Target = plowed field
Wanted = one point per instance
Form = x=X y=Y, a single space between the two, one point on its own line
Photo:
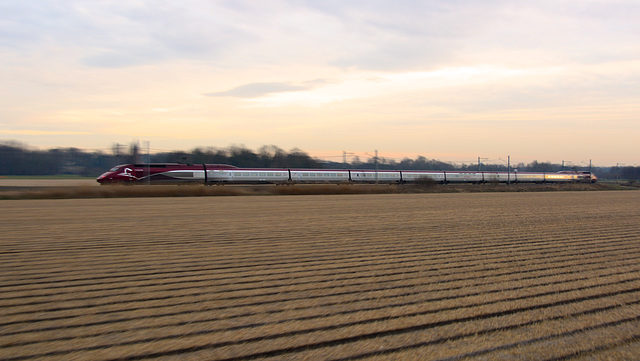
x=478 y=276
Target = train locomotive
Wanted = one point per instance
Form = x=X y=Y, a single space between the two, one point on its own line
x=208 y=174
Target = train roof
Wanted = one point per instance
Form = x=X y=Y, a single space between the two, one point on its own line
x=170 y=165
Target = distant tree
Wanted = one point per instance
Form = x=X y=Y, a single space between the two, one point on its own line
x=243 y=157
x=272 y=156
x=299 y=159
x=541 y=167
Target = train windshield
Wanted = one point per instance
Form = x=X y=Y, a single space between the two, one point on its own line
x=114 y=169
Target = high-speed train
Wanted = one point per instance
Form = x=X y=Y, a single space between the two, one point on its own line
x=177 y=173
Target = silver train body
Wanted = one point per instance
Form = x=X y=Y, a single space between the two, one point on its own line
x=390 y=176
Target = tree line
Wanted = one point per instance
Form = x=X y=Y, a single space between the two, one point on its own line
x=19 y=159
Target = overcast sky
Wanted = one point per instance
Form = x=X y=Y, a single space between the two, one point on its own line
x=452 y=80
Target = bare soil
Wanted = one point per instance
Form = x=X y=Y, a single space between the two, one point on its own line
x=479 y=276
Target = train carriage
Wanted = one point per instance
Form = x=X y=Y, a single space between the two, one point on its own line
x=528 y=177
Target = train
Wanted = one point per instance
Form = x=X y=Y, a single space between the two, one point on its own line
x=218 y=174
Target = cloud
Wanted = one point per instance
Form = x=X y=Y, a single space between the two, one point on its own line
x=107 y=34
x=255 y=90
x=366 y=35
x=42 y=132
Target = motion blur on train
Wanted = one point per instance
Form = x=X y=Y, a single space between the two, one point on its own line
x=218 y=174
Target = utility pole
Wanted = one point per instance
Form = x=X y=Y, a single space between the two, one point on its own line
x=116 y=150
x=480 y=162
x=148 y=165
x=508 y=169
x=375 y=159
x=344 y=158
x=375 y=162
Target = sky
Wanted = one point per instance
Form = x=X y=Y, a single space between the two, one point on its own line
x=454 y=80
